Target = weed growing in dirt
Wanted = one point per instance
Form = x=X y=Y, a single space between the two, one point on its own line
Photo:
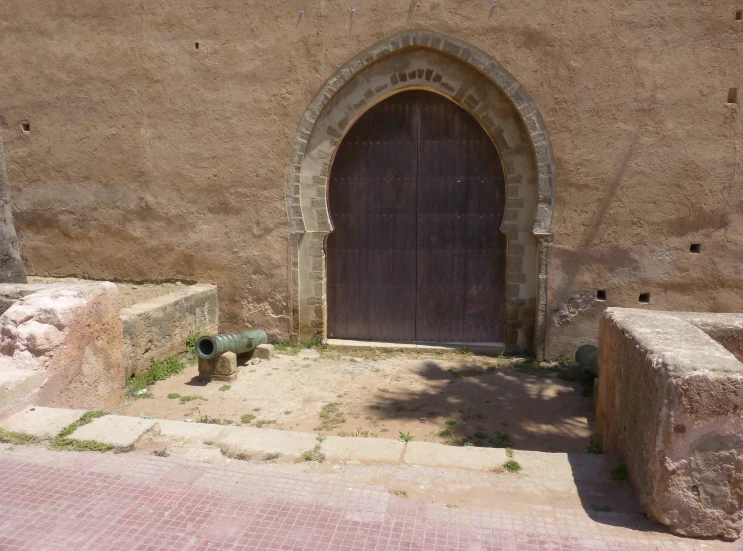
x=161 y=453
x=331 y=417
x=406 y=437
x=446 y=433
x=213 y=420
x=314 y=455
x=321 y=438
x=173 y=396
x=228 y=452
x=271 y=456
x=16 y=438
x=185 y=399
x=157 y=372
x=260 y=422
x=450 y=422
x=247 y=418
x=85 y=419
x=512 y=466
x=595 y=446
x=451 y=506
x=223 y=388
x=398 y=493
x=501 y=440
x=619 y=473
x=70 y=444
x=208 y=442
x=281 y=347
x=193 y=336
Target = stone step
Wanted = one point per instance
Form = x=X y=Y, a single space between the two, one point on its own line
x=42 y=422
x=16 y=386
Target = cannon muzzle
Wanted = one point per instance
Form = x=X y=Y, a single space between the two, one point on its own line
x=213 y=346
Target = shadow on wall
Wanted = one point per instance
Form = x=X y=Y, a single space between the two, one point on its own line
x=524 y=406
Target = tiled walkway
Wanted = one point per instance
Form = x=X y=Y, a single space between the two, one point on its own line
x=89 y=501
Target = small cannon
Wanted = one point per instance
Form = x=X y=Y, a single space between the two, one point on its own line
x=218 y=353
x=213 y=346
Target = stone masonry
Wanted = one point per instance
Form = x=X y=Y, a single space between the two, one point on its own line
x=670 y=405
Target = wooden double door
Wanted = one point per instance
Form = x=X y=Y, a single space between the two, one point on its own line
x=416 y=195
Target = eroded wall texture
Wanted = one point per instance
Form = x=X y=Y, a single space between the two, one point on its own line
x=158 y=136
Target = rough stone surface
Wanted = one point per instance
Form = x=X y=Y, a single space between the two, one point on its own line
x=16 y=385
x=42 y=422
x=73 y=335
x=428 y=454
x=670 y=404
x=258 y=442
x=189 y=431
x=115 y=430
x=161 y=326
x=367 y=450
x=221 y=368
x=263 y=352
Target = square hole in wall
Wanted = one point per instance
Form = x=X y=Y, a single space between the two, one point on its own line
x=733 y=96
x=196 y=45
x=645 y=298
x=601 y=295
x=739 y=15
x=695 y=248
x=26 y=127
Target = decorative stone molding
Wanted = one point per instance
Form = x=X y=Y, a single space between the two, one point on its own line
x=469 y=77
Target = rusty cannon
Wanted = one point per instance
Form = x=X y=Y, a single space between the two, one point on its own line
x=218 y=353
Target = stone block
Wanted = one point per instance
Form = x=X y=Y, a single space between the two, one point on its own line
x=264 y=352
x=428 y=454
x=115 y=430
x=72 y=334
x=574 y=371
x=257 y=442
x=222 y=368
x=159 y=327
x=670 y=405
x=368 y=450
x=42 y=422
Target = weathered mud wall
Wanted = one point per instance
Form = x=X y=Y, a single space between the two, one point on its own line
x=159 y=136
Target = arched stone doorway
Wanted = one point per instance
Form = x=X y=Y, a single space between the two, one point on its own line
x=475 y=82
x=416 y=197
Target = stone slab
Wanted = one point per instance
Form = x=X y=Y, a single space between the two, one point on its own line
x=189 y=431
x=17 y=386
x=221 y=368
x=42 y=422
x=255 y=441
x=116 y=430
x=428 y=454
x=368 y=450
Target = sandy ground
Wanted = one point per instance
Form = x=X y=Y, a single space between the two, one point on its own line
x=485 y=400
x=131 y=293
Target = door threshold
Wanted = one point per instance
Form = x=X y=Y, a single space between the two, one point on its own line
x=483 y=347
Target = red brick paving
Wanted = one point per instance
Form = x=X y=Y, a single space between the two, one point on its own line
x=131 y=502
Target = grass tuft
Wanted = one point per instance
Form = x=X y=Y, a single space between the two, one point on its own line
x=260 y=422
x=247 y=418
x=225 y=387
x=314 y=455
x=512 y=466
x=213 y=420
x=331 y=417
x=16 y=438
x=158 y=371
x=406 y=437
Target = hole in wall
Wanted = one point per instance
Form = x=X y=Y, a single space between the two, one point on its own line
x=601 y=295
x=695 y=248
x=196 y=45
x=733 y=96
x=644 y=298
x=739 y=15
x=26 y=127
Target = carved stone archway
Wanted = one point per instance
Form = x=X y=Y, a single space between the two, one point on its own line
x=479 y=84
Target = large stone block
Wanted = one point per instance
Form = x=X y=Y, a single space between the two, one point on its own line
x=670 y=405
x=71 y=335
x=221 y=368
x=160 y=327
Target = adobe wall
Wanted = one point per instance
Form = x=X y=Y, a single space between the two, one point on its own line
x=148 y=158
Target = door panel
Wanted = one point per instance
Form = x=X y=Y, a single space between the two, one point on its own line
x=416 y=196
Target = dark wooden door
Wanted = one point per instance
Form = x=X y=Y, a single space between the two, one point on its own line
x=416 y=196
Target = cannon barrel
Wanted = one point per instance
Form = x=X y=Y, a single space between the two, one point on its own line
x=588 y=357
x=213 y=346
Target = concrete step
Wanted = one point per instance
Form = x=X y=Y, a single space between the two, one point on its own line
x=16 y=385
x=42 y=422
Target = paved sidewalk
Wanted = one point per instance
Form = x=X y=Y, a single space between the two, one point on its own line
x=131 y=502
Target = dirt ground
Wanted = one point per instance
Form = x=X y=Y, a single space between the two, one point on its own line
x=131 y=293
x=435 y=396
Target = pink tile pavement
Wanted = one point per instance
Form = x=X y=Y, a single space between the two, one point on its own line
x=73 y=501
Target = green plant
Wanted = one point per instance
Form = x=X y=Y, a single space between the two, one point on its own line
x=158 y=371
x=247 y=418
x=321 y=438
x=501 y=440
x=398 y=493
x=16 y=438
x=385 y=429
x=209 y=442
x=331 y=417
x=314 y=455
x=451 y=506
x=595 y=445
x=446 y=433
x=280 y=347
x=384 y=389
x=271 y=456
x=161 y=453
x=185 y=399
x=193 y=336
x=232 y=454
x=450 y=422
x=85 y=419
x=358 y=433
x=260 y=422
x=406 y=437
x=512 y=466
x=619 y=473
x=509 y=452
x=479 y=435
x=213 y=420
x=70 y=444
x=174 y=396
x=225 y=387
